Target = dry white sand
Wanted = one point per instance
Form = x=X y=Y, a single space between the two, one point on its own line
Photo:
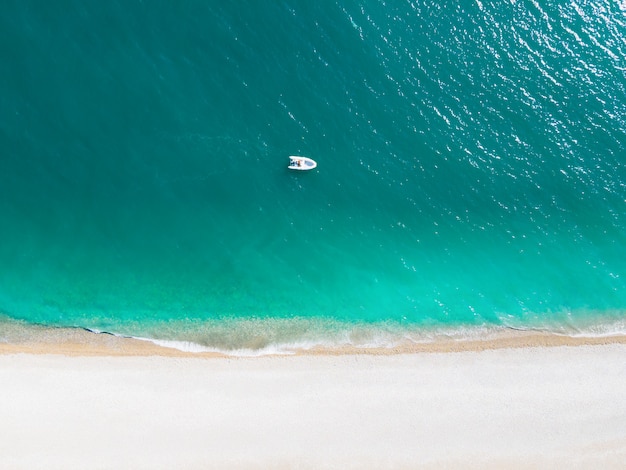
x=554 y=407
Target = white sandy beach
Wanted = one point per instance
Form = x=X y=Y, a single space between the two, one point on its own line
x=537 y=407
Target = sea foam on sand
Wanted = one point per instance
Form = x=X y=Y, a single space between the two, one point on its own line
x=523 y=408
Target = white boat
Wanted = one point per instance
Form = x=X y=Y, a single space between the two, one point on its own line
x=301 y=163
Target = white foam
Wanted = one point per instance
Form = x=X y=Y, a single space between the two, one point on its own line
x=188 y=346
x=287 y=348
x=608 y=330
x=361 y=336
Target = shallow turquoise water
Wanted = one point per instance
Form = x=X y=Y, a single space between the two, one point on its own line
x=471 y=167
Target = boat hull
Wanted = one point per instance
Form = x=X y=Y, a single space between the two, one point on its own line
x=301 y=163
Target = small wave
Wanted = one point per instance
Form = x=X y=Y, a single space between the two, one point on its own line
x=265 y=337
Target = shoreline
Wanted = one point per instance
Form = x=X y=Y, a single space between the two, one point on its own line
x=516 y=399
x=84 y=342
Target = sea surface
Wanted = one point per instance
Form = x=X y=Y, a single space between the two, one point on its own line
x=471 y=169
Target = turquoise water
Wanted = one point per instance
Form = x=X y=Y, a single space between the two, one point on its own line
x=471 y=168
